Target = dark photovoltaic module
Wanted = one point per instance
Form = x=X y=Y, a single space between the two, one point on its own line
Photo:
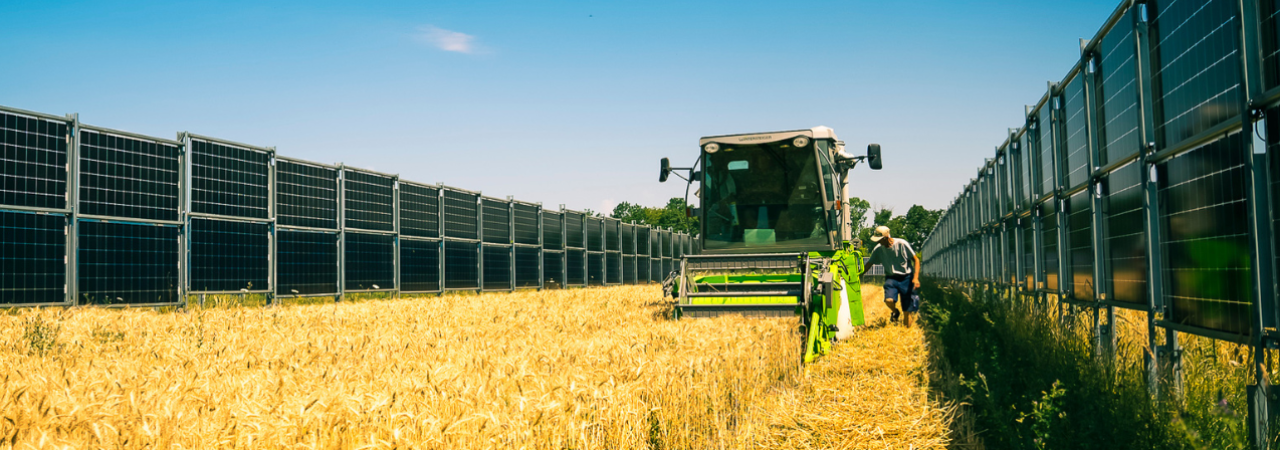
x=574 y=230
x=462 y=265
x=1204 y=234
x=419 y=265
x=229 y=180
x=33 y=152
x=33 y=251
x=612 y=235
x=419 y=211
x=128 y=177
x=461 y=215
x=595 y=269
x=229 y=256
x=1049 y=244
x=497 y=221
x=595 y=234
x=1080 y=237
x=1195 y=86
x=370 y=262
x=575 y=263
x=526 y=221
x=553 y=268
x=367 y=201
x=308 y=262
x=552 y=230
x=628 y=239
x=613 y=268
x=629 y=271
x=497 y=267
x=306 y=195
x=527 y=264
x=1126 y=236
x=127 y=263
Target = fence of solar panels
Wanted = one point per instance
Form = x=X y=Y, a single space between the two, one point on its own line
x=1143 y=180
x=94 y=216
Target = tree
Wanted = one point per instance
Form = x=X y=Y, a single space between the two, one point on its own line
x=912 y=227
x=674 y=214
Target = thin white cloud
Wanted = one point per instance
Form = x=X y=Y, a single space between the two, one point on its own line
x=447 y=40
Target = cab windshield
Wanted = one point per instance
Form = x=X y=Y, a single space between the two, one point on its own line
x=762 y=195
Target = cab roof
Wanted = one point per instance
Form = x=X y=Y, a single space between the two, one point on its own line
x=818 y=132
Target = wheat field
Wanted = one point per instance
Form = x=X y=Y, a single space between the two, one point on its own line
x=565 y=369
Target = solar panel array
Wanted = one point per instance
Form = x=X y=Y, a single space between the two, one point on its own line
x=1151 y=205
x=90 y=215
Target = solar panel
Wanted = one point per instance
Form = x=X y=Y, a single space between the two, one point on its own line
x=368 y=201
x=461 y=215
x=642 y=269
x=612 y=235
x=613 y=267
x=595 y=269
x=1049 y=244
x=667 y=267
x=1029 y=254
x=121 y=263
x=526 y=221
x=1126 y=235
x=628 y=239
x=128 y=177
x=419 y=211
x=34 y=161
x=229 y=180
x=306 y=195
x=575 y=264
x=419 y=265
x=33 y=251
x=1076 y=159
x=497 y=220
x=528 y=263
x=629 y=269
x=552 y=230
x=575 y=236
x=370 y=262
x=655 y=270
x=668 y=244
x=1204 y=226
x=1080 y=235
x=461 y=265
x=1047 y=170
x=1010 y=253
x=229 y=256
x=497 y=267
x=1195 y=67
x=1118 y=87
x=595 y=234
x=307 y=262
x=1269 y=12
x=553 y=265
x=642 y=240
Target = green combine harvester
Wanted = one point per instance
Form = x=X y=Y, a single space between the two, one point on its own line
x=775 y=233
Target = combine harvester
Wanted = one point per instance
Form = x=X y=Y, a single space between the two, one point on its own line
x=775 y=233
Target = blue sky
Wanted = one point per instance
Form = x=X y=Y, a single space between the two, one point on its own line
x=565 y=102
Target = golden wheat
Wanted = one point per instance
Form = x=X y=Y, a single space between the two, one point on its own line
x=586 y=368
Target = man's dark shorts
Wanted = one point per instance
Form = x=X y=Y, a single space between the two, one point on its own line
x=903 y=289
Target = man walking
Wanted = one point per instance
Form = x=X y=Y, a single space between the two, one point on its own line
x=901 y=272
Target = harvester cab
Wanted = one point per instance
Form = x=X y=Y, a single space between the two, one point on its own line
x=775 y=232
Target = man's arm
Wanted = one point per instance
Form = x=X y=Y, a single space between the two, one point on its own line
x=915 y=274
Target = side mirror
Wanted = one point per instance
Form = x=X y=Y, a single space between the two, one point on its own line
x=873 y=156
x=666 y=170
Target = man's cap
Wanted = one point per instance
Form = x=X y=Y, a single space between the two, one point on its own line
x=880 y=233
